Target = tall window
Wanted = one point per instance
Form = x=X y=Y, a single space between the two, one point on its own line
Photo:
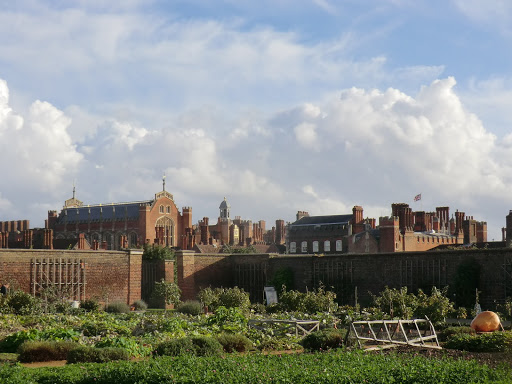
x=293 y=247
x=315 y=246
x=339 y=246
x=161 y=209
x=133 y=239
x=304 y=247
x=164 y=228
x=108 y=239
x=327 y=246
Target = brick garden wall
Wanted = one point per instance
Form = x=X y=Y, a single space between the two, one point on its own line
x=108 y=275
x=369 y=273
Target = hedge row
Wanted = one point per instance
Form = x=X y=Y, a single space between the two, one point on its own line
x=331 y=367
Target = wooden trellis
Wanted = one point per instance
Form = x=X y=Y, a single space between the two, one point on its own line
x=417 y=332
x=64 y=274
x=299 y=327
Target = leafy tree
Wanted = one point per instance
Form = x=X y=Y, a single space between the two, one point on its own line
x=157 y=252
x=231 y=249
x=167 y=291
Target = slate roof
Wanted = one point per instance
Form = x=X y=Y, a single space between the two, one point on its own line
x=323 y=220
x=108 y=212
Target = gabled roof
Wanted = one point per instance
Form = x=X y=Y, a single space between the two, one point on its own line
x=120 y=211
x=323 y=220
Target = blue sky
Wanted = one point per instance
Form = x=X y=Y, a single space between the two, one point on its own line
x=278 y=105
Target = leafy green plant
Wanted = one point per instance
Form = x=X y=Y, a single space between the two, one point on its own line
x=317 y=300
x=129 y=344
x=323 y=340
x=228 y=319
x=224 y=297
x=452 y=331
x=117 y=307
x=190 y=307
x=22 y=303
x=436 y=306
x=234 y=342
x=31 y=351
x=12 y=342
x=397 y=303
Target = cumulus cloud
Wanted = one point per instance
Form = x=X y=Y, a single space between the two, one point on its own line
x=366 y=147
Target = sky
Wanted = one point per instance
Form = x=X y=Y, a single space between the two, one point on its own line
x=279 y=106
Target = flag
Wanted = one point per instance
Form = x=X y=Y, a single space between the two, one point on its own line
x=417 y=197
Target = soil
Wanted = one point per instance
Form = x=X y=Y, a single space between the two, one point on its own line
x=39 y=364
x=490 y=359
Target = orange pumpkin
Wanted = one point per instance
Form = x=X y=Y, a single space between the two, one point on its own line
x=486 y=321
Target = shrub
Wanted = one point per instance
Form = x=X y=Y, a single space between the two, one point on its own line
x=436 y=306
x=486 y=342
x=234 y=342
x=190 y=307
x=84 y=354
x=258 y=308
x=198 y=346
x=206 y=346
x=89 y=305
x=325 y=339
x=157 y=252
x=224 y=297
x=31 y=351
x=166 y=291
x=175 y=347
x=117 y=307
x=22 y=303
x=140 y=305
x=318 y=300
x=452 y=331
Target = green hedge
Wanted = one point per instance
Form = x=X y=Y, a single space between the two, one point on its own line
x=486 y=342
x=86 y=354
x=31 y=351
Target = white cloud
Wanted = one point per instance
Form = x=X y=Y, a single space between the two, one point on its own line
x=371 y=148
x=305 y=134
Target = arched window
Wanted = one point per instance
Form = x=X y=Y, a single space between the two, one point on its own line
x=168 y=209
x=108 y=240
x=161 y=209
x=164 y=228
x=315 y=246
x=293 y=247
x=327 y=246
x=132 y=239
